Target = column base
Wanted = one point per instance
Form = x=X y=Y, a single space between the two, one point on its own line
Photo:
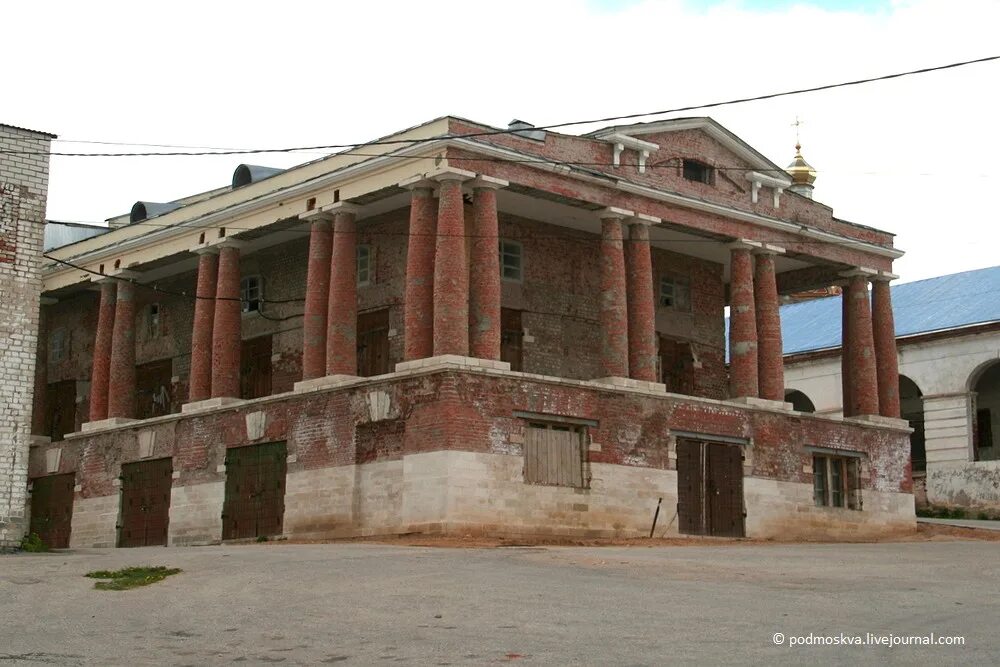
x=325 y=382
x=879 y=419
x=755 y=402
x=629 y=383
x=101 y=424
x=452 y=361
x=209 y=404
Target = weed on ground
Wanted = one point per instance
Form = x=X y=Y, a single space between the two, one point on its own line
x=130 y=577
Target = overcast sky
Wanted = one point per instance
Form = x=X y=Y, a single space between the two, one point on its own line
x=915 y=156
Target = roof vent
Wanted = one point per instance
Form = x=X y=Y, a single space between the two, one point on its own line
x=246 y=174
x=526 y=130
x=142 y=210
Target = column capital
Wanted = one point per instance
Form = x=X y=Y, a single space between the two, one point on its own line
x=316 y=215
x=226 y=242
x=614 y=212
x=885 y=276
x=745 y=244
x=343 y=207
x=768 y=249
x=417 y=182
x=643 y=219
x=862 y=271
x=114 y=276
x=450 y=174
x=48 y=301
x=487 y=182
x=205 y=250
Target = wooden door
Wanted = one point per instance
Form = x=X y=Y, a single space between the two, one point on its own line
x=724 y=489
x=255 y=367
x=52 y=509
x=60 y=408
x=710 y=488
x=676 y=365
x=373 y=343
x=511 y=338
x=153 y=388
x=145 y=503
x=254 y=504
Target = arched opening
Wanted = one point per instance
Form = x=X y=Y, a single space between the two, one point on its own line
x=799 y=401
x=911 y=407
x=987 y=389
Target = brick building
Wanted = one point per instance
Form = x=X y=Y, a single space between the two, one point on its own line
x=459 y=329
x=24 y=182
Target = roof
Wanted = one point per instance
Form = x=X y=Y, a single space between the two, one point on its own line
x=25 y=129
x=923 y=306
x=58 y=233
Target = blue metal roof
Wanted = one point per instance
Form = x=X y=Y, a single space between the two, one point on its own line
x=923 y=306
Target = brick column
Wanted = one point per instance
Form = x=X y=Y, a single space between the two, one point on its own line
x=613 y=305
x=227 y=335
x=204 y=320
x=121 y=382
x=640 y=301
x=742 y=322
x=451 y=276
x=342 y=318
x=40 y=401
x=846 y=368
x=418 y=316
x=861 y=347
x=886 y=359
x=770 y=363
x=314 y=320
x=101 y=363
x=484 y=270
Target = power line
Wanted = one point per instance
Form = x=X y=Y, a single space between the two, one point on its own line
x=606 y=119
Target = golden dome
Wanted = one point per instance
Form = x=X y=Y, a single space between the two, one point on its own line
x=801 y=171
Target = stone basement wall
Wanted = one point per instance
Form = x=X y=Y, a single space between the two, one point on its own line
x=23 y=190
x=441 y=451
x=974 y=486
x=558 y=299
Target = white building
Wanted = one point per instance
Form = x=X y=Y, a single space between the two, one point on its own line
x=948 y=336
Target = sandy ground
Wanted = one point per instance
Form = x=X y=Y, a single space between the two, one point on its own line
x=636 y=603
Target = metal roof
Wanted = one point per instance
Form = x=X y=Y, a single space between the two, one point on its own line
x=58 y=234
x=923 y=306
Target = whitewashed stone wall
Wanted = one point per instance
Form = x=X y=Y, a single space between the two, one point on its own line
x=23 y=190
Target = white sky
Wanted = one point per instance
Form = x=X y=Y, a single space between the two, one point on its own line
x=917 y=157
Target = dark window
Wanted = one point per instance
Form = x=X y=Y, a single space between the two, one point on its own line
x=510 y=261
x=251 y=293
x=365 y=268
x=675 y=293
x=697 y=171
x=153 y=321
x=984 y=430
x=836 y=481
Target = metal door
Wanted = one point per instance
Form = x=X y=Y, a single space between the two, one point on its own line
x=710 y=488
x=255 y=367
x=373 y=343
x=511 y=338
x=254 y=504
x=52 y=509
x=145 y=503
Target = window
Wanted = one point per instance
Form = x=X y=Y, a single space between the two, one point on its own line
x=553 y=455
x=365 y=268
x=697 y=171
x=153 y=321
x=675 y=293
x=510 y=261
x=251 y=293
x=57 y=345
x=836 y=481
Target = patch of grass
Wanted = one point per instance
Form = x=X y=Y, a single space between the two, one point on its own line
x=130 y=577
x=33 y=544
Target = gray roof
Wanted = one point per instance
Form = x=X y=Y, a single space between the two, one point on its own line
x=58 y=234
x=923 y=306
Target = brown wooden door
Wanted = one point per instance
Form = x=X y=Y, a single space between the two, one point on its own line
x=145 y=503
x=373 y=343
x=709 y=488
x=153 y=388
x=255 y=367
x=254 y=504
x=724 y=489
x=52 y=509
x=511 y=338
x=676 y=365
x=60 y=408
